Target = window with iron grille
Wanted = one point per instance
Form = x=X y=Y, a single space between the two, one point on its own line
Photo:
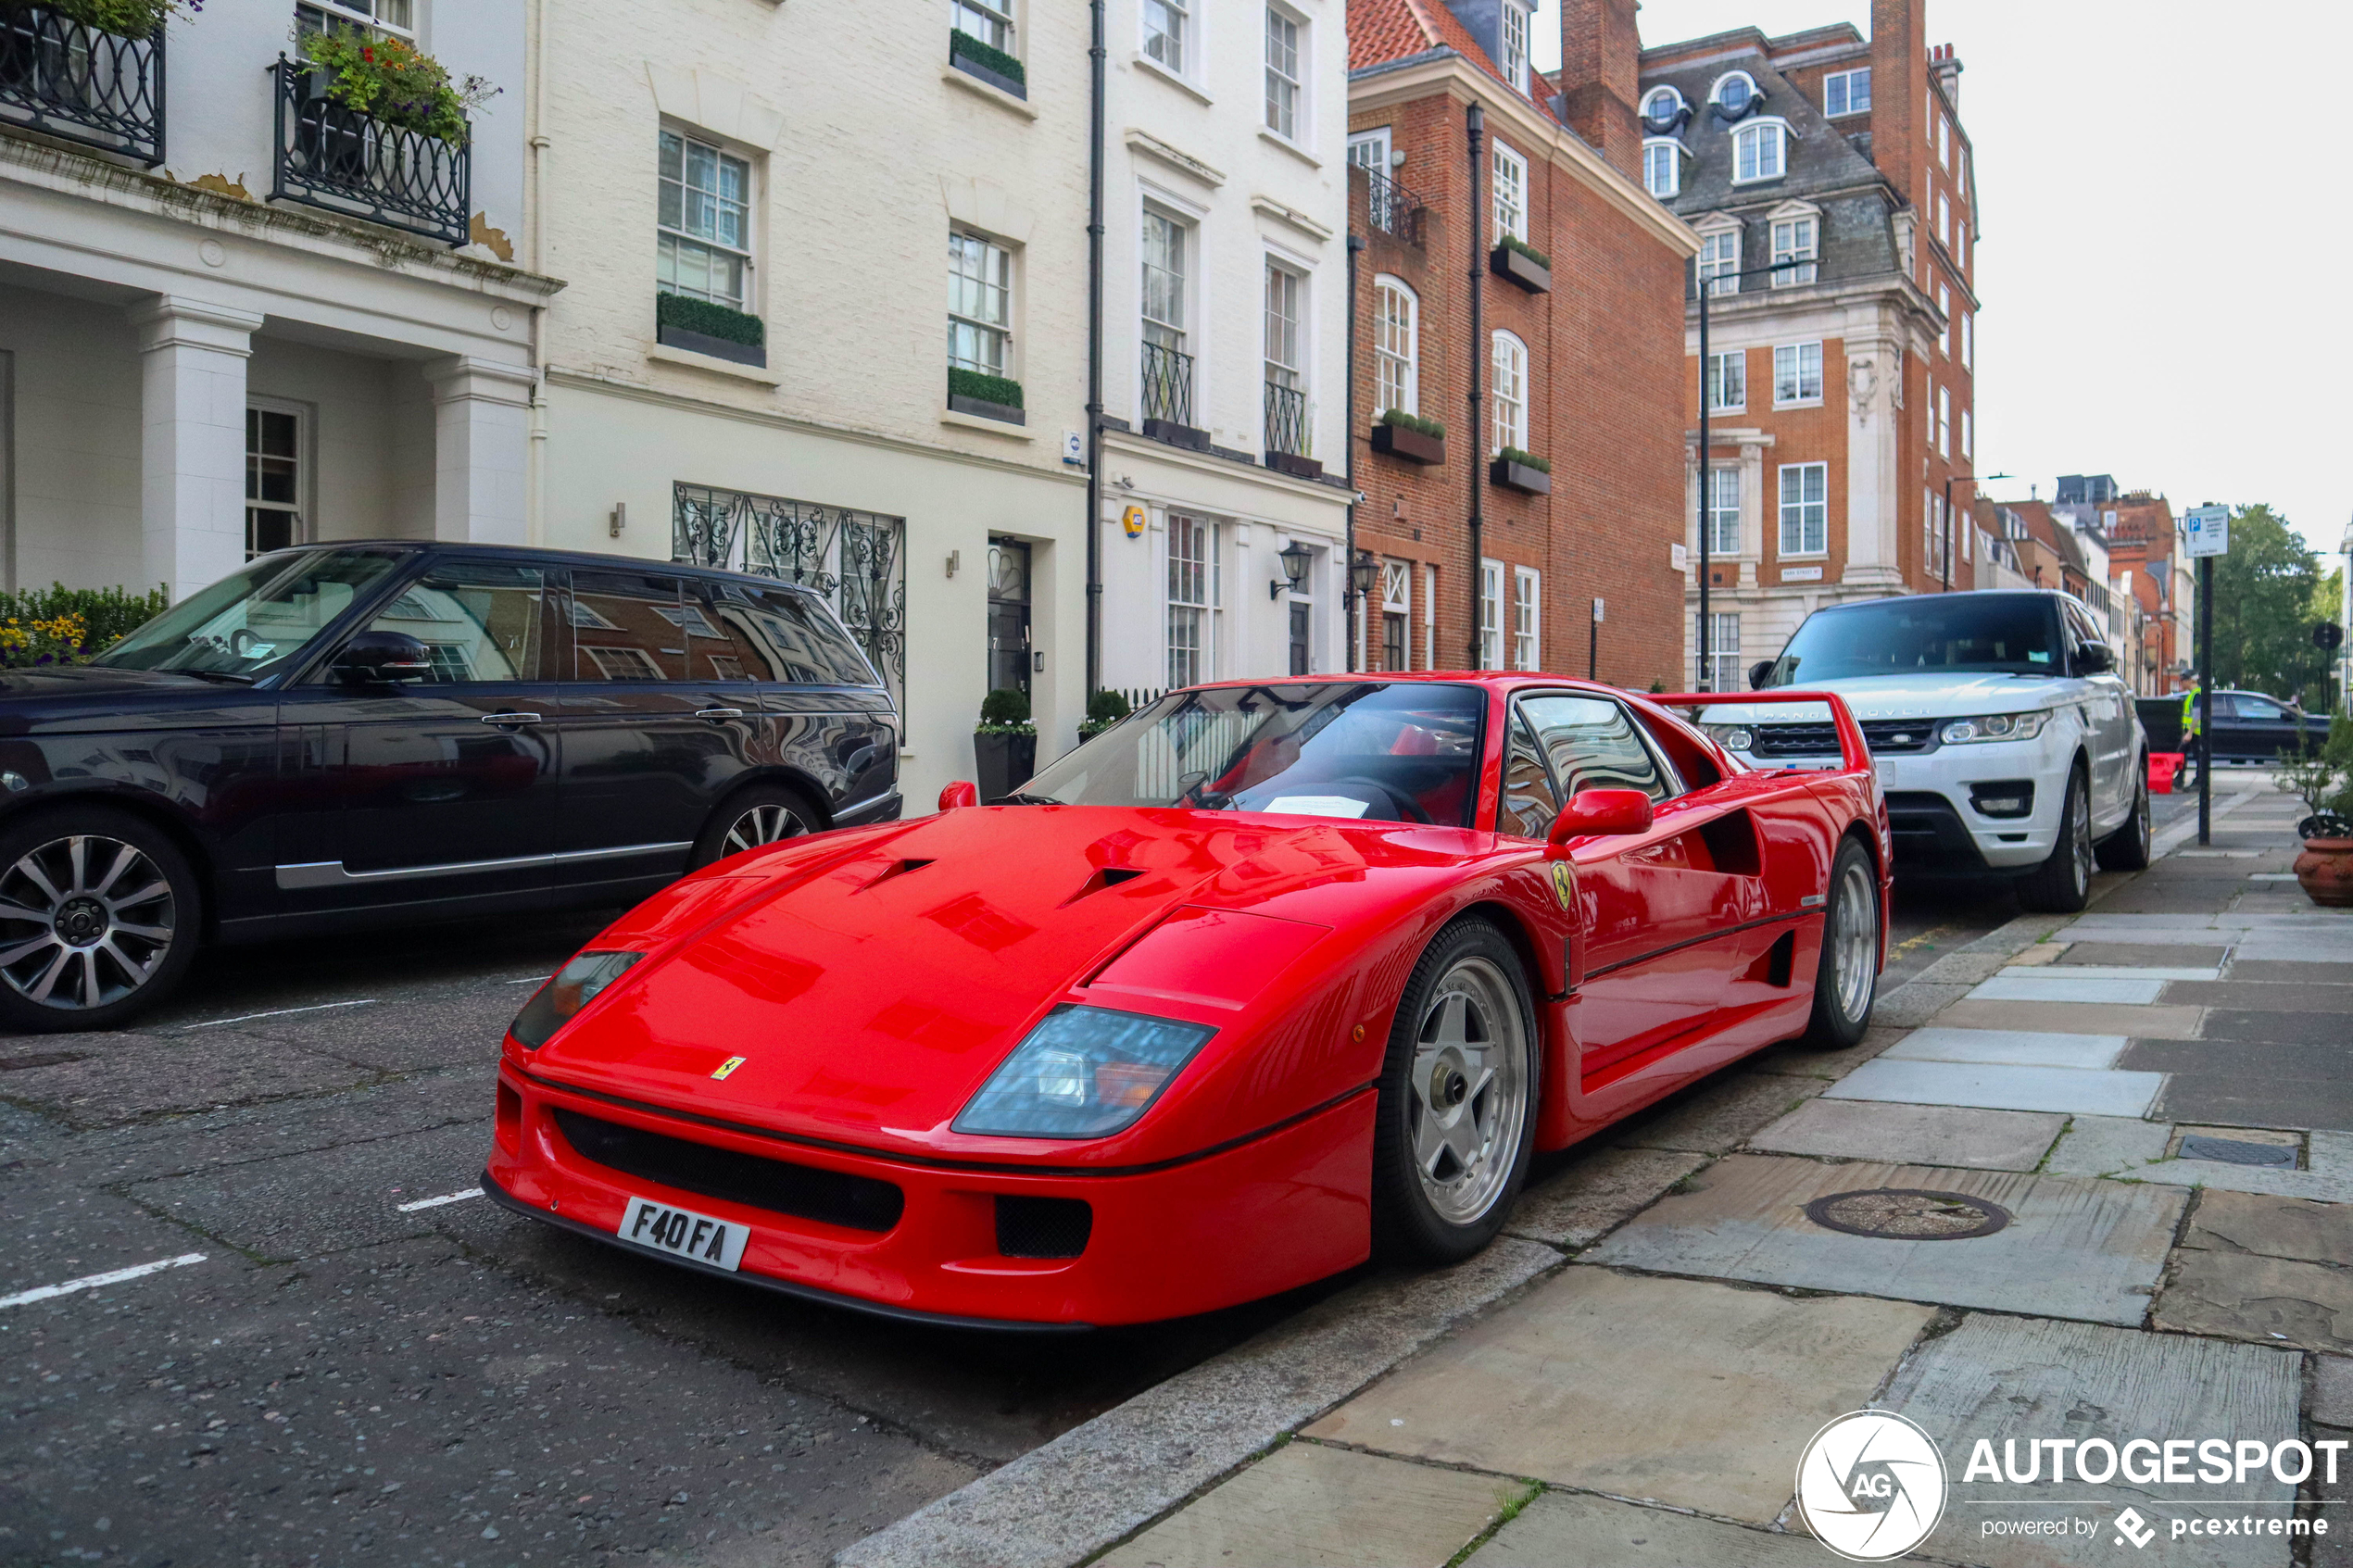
x=1192 y=555
x=1282 y=74
x=1805 y=513
x=1396 y=348
x=980 y=292
x=703 y=248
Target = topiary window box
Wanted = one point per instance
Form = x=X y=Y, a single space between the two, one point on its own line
x=1515 y=266
x=700 y=326
x=981 y=409
x=985 y=396
x=1413 y=445
x=1514 y=475
x=1296 y=466
x=991 y=64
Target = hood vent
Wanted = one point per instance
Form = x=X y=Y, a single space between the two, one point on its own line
x=1105 y=876
x=896 y=867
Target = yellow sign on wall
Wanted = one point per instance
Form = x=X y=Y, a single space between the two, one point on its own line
x=1132 y=520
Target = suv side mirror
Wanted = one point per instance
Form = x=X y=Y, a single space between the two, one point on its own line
x=1760 y=672
x=1600 y=813
x=379 y=657
x=2093 y=658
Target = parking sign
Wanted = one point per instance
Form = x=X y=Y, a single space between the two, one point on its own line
x=2210 y=529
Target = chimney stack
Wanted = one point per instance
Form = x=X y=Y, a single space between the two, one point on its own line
x=1899 y=91
x=1600 y=78
x=1946 y=68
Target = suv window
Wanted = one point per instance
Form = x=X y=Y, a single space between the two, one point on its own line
x=2008 y=633
x=483 y=621
x=808 y=644
x=1594 y=744
x=628 y=626
x=252 y=626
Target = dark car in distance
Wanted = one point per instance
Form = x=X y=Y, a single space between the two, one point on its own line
x=2249 y=726
x=366 y=734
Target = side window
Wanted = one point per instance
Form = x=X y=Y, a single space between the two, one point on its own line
x=1529 y=804
x=628 y=626
x=813 y=649
x=727 y=644
x=1592 y=744
x=2256 y=708
x=484 y=621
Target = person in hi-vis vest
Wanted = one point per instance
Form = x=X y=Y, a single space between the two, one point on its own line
x=2190 y=730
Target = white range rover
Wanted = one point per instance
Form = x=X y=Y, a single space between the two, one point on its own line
x=2004 y=739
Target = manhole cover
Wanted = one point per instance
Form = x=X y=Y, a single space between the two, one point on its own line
x=1908 y=1214
x=2237 y=1151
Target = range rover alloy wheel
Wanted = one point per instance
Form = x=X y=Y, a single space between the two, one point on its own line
x=98 y=919
x=762 y=815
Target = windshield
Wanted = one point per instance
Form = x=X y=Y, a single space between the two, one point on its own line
x=1980 y=633
x=1402 y=753
x=249 y=625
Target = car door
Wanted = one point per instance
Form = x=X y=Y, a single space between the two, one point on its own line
x=2259 y=728
x=1667 y=912
x=2107 y=711
x=441 y=787
x=648 y=752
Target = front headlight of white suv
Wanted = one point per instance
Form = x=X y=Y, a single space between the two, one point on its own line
x=1996 y=726
x=1731 y=737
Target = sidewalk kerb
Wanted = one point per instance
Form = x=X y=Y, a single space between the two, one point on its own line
x=2180 y=832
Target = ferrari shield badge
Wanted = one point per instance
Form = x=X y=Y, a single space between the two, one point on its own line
x=726 y=1067
x=1563 y=882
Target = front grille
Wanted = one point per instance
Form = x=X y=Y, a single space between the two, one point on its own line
x=832 y=1197
x=1043 y=1228
x=1881 y=736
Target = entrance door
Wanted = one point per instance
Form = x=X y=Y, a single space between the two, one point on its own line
x=1009 y=650
x=1303 y=616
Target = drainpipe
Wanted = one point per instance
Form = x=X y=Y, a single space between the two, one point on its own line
x=1095 y=368
x=1352 y=595
x=535 y=467
x=1474 y=120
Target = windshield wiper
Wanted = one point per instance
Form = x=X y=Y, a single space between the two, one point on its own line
x=229 y=676
x=1019 y=798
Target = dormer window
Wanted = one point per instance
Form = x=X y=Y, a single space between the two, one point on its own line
x=1662 y=166
x=1514 y=30
x=1759 y=152
x=1660 y=106
x=1735 y=94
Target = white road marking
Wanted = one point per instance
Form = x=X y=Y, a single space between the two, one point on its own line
x=438 y=1202
x=92 y=1282
x=280 y=1012
x=2273 y=876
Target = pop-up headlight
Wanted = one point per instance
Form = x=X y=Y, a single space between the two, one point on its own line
x=1083 y=1073
x=574 y=987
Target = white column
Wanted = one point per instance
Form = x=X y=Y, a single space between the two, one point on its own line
x=192 y=446
x=481 y=444
x=1873 y=488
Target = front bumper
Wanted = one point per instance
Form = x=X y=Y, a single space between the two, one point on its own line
x=1933 y=801
x=1279 y=1211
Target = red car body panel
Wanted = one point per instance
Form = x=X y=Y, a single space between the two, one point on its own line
x=873 y=979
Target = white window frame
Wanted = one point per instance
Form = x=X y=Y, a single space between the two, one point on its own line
x=1514 y=42
x=990 y=15
x=1663 y=154
x=1797 y=249
x=1943 y=220
x=1944 y=327
x=1724 y=651
x=1289 y=372
x=1793 y=371
x=1800 y=516
x=1719 y=384
x=1286 y=91
x=962 y=321
x=1716 y=90
x=1195 y=616
x=1187 y=232
x=300 y=529
x=1967 y=435
x=1375 y=142
x=1943 y=422
x=1969 y=341
x=1507 y=189
x=1507 y=359
x=1674 y=99
x=1724 y=510
x=1720 y=256
x=1944 y=143
x=1397 y=347
x=360 y=17
x=1490 y=614
x=1169 y=47
x=1754 y=132
x=1847 y=79
x=1528 y=609
x=748 y=300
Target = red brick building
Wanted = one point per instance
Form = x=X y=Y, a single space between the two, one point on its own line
x=1829 y=179
x=2147 y=552
x=1577 y=353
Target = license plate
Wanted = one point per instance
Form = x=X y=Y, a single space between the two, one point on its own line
x=684 y=1234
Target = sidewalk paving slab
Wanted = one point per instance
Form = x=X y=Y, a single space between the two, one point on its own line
x=2155 y=969
x=2022 y=1047
x=2324 y=973
x=1719 y=1113
x=2333 y=1390
x=2109 y=1146
x=2249 y=993
x=2075 y=1018
x=2072 y=1249
x=1689 y=1393
x=1929 y=1134
x=2011 y=1378
x=2067 y=987
x=2141 y=954
x=1307 y=1506
x=2271 y=1227
x=2328 y=1177
x=1578 y=1530
x=2250 y=1084
x=1993 y=1087
x=2270 y=1300
x=1597 y=1193
x=1914 y=1003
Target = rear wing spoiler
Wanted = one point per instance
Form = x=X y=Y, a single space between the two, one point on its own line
x=1855 y=756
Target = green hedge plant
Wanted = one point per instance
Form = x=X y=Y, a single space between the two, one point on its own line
x=987 y=55
x=1005 y=711
x=1002 y=390
x=1526 y=460
x=62 y=625
x=1103 y=710
x=1404 y=420
x=395 y=81
x=710 y=319
x=1513 y=242
x=124 y=19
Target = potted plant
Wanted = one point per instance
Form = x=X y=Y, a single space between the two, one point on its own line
x=394 y=82
x=986 y=61
x=1517 y=262
x=1410 y=436
x=1524 y=471
x=703 y=326
x=2323 y=777
x=985 y=396
x=1004 y=743
x=1103 y=710
x=124 y=19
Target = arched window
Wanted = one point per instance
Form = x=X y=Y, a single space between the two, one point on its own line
x=1662 y=166
x=1660 y=102
x=1397 y=348
x=1759 y=152
x=1735 y=92
x=1510 y=397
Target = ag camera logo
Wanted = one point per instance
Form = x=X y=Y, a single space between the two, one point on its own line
x=1870 y=1486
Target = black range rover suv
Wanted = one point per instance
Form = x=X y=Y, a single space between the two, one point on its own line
x=359 y=734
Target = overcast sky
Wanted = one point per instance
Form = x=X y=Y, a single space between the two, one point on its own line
x=2164 y=193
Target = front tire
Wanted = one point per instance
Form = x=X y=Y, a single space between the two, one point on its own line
x=1456 y=1121
x=100 y=914
x=2127 y=849
x=1846 y=977
x=2062 y=883
x=760 y=816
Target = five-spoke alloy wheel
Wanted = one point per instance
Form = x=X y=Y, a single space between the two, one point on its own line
x=761 y=815
x=98 y=918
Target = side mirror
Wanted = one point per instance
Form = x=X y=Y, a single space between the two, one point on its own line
x=378 y=657
x=1601 y=813
x=964 y=792
x=1760 y=672
x=2093 y=658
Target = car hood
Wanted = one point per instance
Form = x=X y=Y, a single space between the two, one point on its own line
x=873 y=981
x=70 y=698
x=1923 y=697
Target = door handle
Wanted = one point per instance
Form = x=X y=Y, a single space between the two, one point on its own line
x=511 y=718
x=716 y=714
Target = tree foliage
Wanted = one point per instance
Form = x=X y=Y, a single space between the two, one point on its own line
x=2265 y=591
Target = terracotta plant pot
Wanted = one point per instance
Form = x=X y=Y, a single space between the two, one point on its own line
x=2325 y=872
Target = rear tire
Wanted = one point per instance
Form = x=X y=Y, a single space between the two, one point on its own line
x=2127 y=849
x=100 y=914
x=760 y=816
x=1846 y=977
x=1455 y=1125
x=2062 y=883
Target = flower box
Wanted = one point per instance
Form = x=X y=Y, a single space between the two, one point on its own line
x=1413 y=445
x=1293 y=464
x=1001 y=71
x=1515 y=266
x=1514 y=475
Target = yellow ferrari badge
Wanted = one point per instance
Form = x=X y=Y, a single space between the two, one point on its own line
x=726 y=1067
x=1563 y=882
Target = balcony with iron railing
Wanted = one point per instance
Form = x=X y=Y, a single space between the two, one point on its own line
x=1287 y=432
x=1391 y=208
x=81 y=83
x=1168 y=397
x=342 y=160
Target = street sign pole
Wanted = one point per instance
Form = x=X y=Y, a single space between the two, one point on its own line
x=2209 y=536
